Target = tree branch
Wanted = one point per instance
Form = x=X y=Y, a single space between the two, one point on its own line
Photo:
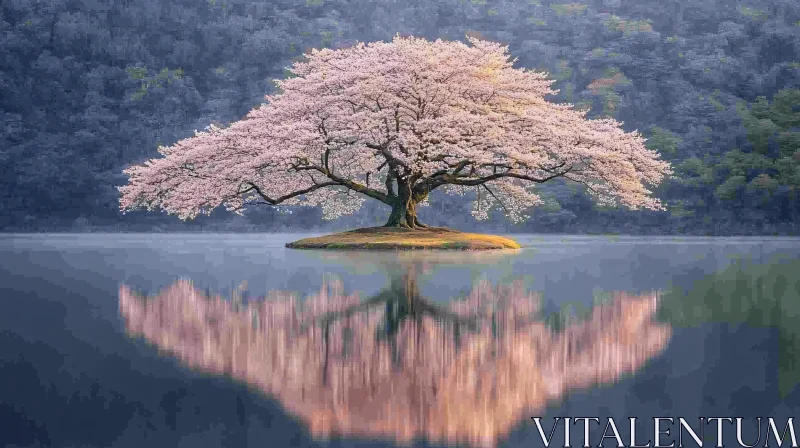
x=338 y=180
x=278 y=200
x=391 y=160
x=498 y=199
x=357 y=187
x=443 y=178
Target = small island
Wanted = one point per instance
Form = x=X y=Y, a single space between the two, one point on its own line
x=399 y=238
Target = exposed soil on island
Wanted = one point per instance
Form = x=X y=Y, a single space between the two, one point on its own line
x=398 y=238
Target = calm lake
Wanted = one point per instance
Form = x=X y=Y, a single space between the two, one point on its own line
x=212 y=340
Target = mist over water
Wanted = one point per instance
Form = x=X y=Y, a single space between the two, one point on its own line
x=154 y=340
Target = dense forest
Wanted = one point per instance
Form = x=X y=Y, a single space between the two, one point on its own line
x=88 y=87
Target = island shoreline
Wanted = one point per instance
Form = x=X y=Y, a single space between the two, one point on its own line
x=398 y=238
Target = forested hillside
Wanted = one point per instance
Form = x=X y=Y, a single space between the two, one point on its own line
x=88 y=87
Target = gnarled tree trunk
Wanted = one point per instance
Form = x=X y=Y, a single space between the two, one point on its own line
x=404 y=209
x=404 y=214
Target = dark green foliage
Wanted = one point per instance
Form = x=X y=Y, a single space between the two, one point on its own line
x=764 y=170
x=663 y=141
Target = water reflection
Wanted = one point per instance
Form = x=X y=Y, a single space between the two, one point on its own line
x=398 y=365
x=759 y=295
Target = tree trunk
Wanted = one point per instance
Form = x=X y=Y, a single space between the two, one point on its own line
x=404 y=210
x=404 y=214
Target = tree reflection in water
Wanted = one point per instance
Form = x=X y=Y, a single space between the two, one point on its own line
x=396 y=365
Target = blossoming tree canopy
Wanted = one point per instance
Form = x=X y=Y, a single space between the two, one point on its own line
x=393 y=122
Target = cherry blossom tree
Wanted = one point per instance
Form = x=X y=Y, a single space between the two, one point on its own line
x=397 y=364
x=394 y=121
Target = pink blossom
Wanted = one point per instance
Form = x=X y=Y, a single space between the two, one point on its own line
x=393 y=121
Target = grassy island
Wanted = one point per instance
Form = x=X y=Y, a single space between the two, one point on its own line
x=398 y=238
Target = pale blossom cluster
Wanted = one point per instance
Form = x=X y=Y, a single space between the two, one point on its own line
x=464 y=374
x=512 y=198
x=379 y=120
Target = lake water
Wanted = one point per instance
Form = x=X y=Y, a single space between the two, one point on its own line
x=210 y=340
